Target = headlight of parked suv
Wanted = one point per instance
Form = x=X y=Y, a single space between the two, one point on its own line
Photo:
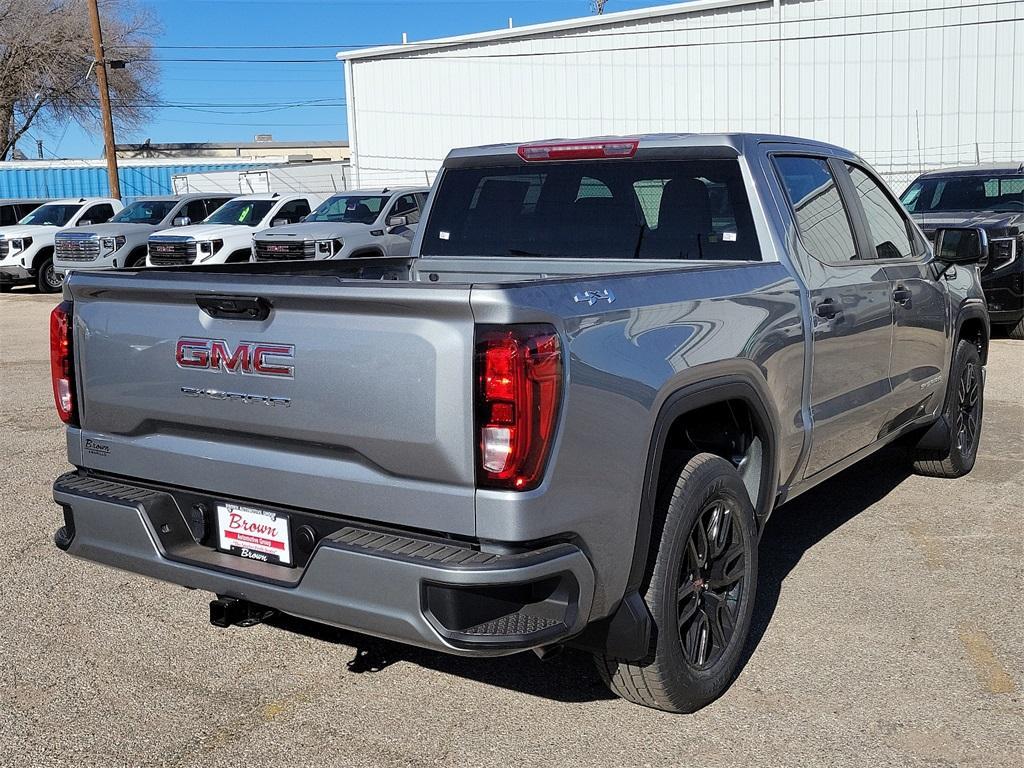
x=206 y=248
x=21 y=244
x=328 y=248
x=1001 y=251
x=112 y=244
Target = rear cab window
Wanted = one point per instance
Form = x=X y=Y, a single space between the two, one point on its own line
x=601 y=209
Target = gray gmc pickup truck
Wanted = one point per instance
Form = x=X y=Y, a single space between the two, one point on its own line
x=566 y=420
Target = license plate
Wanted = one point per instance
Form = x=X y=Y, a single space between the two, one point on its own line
x=254 y=534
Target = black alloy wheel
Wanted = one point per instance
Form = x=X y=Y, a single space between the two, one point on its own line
x=711 y=585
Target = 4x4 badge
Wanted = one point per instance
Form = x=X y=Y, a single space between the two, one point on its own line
x=591 y=298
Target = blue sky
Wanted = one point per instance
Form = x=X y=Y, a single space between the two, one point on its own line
x=207 y=89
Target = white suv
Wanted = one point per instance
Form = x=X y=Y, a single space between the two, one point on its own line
x=226 y=235
x=121 y=243
x=26 y=249
x=348 y=225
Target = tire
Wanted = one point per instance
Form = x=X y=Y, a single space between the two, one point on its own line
x=1016 y=331
x=693 y=660
x=48 y=280
x=5 y=287
x=963 y=412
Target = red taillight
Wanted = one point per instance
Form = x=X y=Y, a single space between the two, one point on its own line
x=580 y=150
x=62 y=363
x=519 y=391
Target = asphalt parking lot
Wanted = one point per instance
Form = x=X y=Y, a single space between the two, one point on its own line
x=889 y=632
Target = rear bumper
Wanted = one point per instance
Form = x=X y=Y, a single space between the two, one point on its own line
x=442 y=595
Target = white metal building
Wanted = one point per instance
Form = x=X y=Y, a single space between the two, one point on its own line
x=908 y=84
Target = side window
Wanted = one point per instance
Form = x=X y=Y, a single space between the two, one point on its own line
x=821 y=217
x=98 y=214
x=7 y=216
x=293 y=211
x=407 y=206
x=887 y=228
x=195 y=210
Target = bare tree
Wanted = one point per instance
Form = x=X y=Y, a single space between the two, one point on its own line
x=47 y=62
x=597 y=6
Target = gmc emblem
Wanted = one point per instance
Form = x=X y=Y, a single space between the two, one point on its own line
x=251 y=358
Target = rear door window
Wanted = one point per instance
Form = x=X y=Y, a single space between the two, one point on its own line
x=8 y=216
x=818 y=209
x=603 y=209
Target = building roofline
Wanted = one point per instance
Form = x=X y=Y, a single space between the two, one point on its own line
x=531 y=30
x=135 y=147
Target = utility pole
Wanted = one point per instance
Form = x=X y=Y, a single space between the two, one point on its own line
x=109 y=148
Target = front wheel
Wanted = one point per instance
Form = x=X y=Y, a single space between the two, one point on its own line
x=963 y=412
x=701 y=591
x=48 y=279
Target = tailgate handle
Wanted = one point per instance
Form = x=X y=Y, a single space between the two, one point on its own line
x=235 y=307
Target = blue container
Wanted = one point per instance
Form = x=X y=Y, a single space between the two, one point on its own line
x=91 y=181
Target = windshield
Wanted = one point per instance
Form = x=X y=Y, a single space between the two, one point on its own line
x=605 y=209
x=965 y=193
x=145 y=212
x=358 y=209
x=248 y=213
x=55 y=215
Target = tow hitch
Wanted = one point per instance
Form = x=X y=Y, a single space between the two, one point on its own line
x=228 y=611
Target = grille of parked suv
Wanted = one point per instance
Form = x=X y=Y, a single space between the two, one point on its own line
x=297 y=249
x=164 y=253
x=77 y=248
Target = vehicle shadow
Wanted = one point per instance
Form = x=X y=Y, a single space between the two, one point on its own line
x=571 y=676
x=810 y=518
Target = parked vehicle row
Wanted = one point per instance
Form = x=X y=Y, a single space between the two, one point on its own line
x=564 y=419
x=48 y=240
x=26 y=248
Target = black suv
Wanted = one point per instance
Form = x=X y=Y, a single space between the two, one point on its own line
x=990 y=197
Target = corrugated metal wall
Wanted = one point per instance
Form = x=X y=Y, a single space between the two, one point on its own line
x=909 y=84
x=53 y=180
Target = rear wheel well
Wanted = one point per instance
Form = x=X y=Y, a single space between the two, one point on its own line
x=365 y=253
x=236 y=257
x=730 y=429
x=973 y=330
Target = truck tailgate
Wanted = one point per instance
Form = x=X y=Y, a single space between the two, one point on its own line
x=373 y=421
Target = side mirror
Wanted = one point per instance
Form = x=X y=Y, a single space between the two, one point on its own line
x=181 y=221
x=398 y=221
x=961 y=245
x=84 y=223
x=280 y=223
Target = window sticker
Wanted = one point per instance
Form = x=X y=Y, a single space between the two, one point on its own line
x=444 y=235
x=729 y=237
